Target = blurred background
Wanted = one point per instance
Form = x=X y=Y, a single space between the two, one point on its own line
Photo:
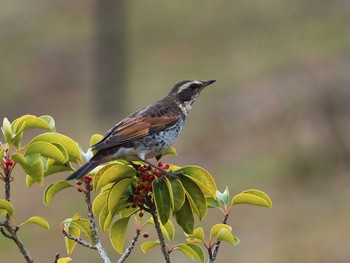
x=278 y=118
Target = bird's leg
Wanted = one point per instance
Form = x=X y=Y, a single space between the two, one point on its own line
x=168 y=173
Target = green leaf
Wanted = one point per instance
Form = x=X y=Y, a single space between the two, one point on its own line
x=117 y=234
x=259 y=194
x=223 y=198
x=46 y=149
x=184 y=217
x=7 y=130
x=252 y=197
x=114 y=197
x=212 y=203
x=99 y=202
x=195 y=196
x=162 y=200
x=53 y=189
x=83 y=224
x=6 y=206
x=2 y=152
x=53 y=167
x=148 y=245
x=64 y=260
x=75 y=231
x=178 y=194
x=67 y=143
x=100 y=172
x=168 y=229
x=29 y=122
x=170 y=150
x=226 y=236
x=38 y=220
x=102 y=218
x=95 y=139
x=32 y=165
x=217 y=228
x=50 y=121
x=114 y=174
x=202 y=178
x=192 y=251
x=197 y=236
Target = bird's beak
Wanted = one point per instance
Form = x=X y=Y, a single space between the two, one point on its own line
x=207 y=82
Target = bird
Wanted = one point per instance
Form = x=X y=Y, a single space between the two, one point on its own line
x=147 y=132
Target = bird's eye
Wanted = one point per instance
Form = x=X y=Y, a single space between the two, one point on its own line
x=193 y=86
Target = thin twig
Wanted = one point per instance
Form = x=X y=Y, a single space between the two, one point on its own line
x=11 y=230
x=160 y=235
x=213 y=252
x=97 y=241
x=127 y=252
x=78 y=240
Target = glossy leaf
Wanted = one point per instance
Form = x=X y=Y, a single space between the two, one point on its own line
x=64 y=260
x=117 y=234
x=53 y=189
x=178 y=194
x=223 y=198
x=6 y=206
x=217 y=228
x=114 y=174
x=170 y=150
x=162 y=200
x=84 y=226
x=202 y=178
x=50 y=121
x=197 y=236
x=168 y=229
x=70 y=244
x=37 y=220
x=148 y=245
x=32 y=165
x=184 y=217
x=226 y=236
x=70 y=146
x=95 y=139
x=192 y=251
x=212 y=203
x=102 y=217
x=99 y=202
x=7 y=130
x=46 y=149
x=114 y=197
x=31 y=122
x=252 y=197
x=100 y=172
x=195 y=196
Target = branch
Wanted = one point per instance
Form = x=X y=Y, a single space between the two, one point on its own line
x=127 y=252
x=78 y=240
x=213 y=252
x=11 y=230
x=97 y=241
x=160 y=235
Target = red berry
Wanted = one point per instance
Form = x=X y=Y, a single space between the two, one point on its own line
x=145 y=235
x=133 y=205
x=149 y=168
x=166 y=167
x=79 y=182
x=87 y=178
x=79 y=189
x=160 y=164
x=140 y=214
x=9 y=162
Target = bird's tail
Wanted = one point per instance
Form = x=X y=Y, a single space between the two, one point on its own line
x=85 y=169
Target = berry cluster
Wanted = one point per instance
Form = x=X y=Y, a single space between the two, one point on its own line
x=87 y=182
x=143 y=188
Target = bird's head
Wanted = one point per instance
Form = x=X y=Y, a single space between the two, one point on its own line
x=186 y=92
